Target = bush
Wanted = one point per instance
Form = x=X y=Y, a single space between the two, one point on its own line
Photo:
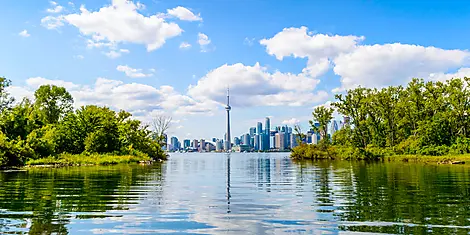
x=461 y=146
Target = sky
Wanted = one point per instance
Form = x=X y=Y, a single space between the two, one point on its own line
x=177 y=58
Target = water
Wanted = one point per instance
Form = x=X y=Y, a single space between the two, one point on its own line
x=239 y=194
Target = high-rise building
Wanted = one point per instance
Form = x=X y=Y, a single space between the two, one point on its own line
x=263 y=144
x=280 y=141
x=218 y=146
x=195 y=144
x=246 y=139
x=294 y=139
x=267 y=125
x=236 y=141
x=259 y=128
x=174 y=144
x=252 y=131
x=334 y=127
x=186 y=143
x=256 y=142
x=272 y=141
x=202 y=147
x=228 y=144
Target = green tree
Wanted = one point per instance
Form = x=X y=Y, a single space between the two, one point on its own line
x=323 y=116
x=5 y=99
x=53 y=102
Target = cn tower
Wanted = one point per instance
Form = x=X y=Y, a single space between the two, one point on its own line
x=228 y=144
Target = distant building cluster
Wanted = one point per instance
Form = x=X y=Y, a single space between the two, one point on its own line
x=257 y=139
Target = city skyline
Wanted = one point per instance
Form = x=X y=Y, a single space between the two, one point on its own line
x=176 y=58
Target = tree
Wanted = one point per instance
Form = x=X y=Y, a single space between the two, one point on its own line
x=300 y=136
x=5 y=99
x=53 y=103
x=323 y=116
x=160 y=125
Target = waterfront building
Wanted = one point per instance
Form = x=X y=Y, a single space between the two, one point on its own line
x=236 y=141
x=256 y=142
x=252 y=131
x=218 y=145
x=246 y=139
x=195 y=144
x=259 y=128
x=264 y=145
x=271 y=142
x=186 y=144
x=202 y=145
x=334 y=127
x=280 y=141
x=294 y=140
x=174 y=144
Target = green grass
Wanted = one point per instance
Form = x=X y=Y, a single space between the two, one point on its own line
x=80 y=160
x=428 y=159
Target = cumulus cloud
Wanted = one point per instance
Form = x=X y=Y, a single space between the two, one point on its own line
x=52 y=22
x=131 y=72
x=393 y=64
x=55 y=8
x=139 y=99
x=255 y=86
x=151 y=31
x=183 y=13
x=461 y=73
x=185 y=45
x=24 y=33
x=203 y=41
x=291 y=122
x=362 y=65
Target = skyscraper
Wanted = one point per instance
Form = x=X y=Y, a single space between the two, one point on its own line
x=259 y=128
x=256 y=142
x=187 y=144
x=267 y=132
x=252 y=131
x=334 y=127
x=228 y=145
x=203 y=145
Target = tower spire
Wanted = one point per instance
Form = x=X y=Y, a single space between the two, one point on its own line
x=228 y=144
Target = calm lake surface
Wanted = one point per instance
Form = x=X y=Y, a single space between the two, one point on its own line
x=238 y=194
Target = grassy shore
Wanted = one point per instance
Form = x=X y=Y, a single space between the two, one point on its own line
x=81 y=160
x=317 y=152
x=446 y=159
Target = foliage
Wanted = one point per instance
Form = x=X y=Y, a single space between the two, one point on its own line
x=49 y=129
x=424 y=118
x=53 y=102
x=93 y=159
x=5 y=99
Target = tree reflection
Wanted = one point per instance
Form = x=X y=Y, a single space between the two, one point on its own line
x=50 y=198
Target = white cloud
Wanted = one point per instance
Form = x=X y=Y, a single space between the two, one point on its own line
x=113 y=54
x=24 y=33
x=131 y=72
x=52 y=22
x=140 y=99
x=80 y=57
x=183 y=13
x=461 y=73
x=393 y=64
x=365 y=65
x=318 y=48
x=56 y=8
x=122 y=22
x=185 y=45
x=255 y=86
x=291 y=122
x=203 y=41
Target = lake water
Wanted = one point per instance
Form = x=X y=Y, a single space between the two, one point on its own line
x=238 y=194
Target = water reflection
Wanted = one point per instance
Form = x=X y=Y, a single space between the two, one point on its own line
x=238 y=194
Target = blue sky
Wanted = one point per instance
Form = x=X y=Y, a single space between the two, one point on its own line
x=280 y=58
